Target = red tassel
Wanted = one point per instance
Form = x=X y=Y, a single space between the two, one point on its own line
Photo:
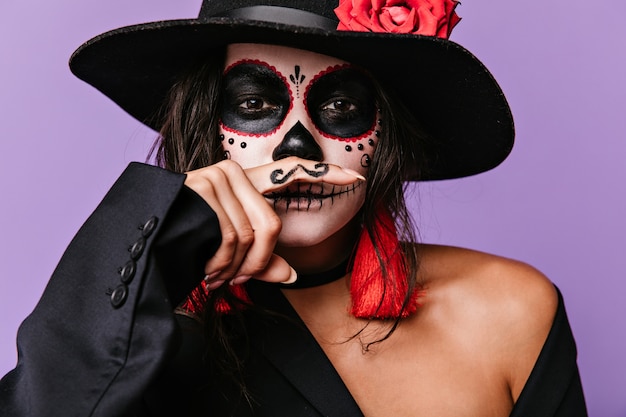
x=196 y=300
x=378 y=294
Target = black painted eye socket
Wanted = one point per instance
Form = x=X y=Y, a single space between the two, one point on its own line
x=342 y=103
x=254 y=100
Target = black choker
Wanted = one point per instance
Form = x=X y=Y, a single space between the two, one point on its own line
x=321 y=278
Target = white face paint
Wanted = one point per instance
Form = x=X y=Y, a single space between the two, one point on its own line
x=280 y=102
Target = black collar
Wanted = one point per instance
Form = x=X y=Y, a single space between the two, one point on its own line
x=321 y=278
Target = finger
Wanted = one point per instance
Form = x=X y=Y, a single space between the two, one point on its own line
x=276 y=270
x=260 y=253
x=279 y=174
x=235 y=229
x=249 y=226
x=265 y=223
x=253 y=245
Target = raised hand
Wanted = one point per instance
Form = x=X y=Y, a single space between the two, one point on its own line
x=250 y=227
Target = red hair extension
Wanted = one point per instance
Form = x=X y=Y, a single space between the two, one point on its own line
x=379 y=293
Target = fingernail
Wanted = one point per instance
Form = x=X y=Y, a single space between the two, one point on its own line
x=212 y=275
x=353 y=172
x=292 y=277
x=239 y=280
x=210 y=286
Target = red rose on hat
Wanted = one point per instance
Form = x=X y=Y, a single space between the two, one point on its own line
x=417 y=17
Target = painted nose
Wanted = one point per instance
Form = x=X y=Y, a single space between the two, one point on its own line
x=299 y=142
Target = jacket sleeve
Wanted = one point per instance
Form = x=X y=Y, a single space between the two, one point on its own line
x=553 y=388
x=104 y=327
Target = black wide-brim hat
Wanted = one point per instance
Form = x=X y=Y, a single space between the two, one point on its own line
x=447 y=89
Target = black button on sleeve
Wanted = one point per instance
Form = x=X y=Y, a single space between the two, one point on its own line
x=137 y=249
x=149 y=226
x=127 y=272
x=118 y=296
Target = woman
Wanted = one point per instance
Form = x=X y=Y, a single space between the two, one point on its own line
x=295 y=138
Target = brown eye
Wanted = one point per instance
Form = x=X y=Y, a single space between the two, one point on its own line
x=344 y=103
x=340 y=105
x=253 y=104
x=255 y=99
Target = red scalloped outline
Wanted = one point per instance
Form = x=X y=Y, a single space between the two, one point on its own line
x=320 y=74
x=284 y=80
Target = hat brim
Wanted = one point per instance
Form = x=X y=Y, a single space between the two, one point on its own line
x=447 y=89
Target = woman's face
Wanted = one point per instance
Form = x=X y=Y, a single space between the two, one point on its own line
x=280 y=102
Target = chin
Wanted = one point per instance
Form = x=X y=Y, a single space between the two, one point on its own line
x=302 y=238
x=309 y=230
x=326 y=229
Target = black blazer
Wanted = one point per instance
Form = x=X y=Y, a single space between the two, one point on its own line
x=103 y=340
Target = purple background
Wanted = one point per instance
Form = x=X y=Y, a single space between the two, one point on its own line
x=558 y=202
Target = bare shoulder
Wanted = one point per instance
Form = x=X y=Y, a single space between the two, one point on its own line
x=487 y=277
x=505 y=307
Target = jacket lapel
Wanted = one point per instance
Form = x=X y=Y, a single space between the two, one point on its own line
x=294 y=352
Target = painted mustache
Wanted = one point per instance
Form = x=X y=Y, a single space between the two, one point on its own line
x=305 y=195
x=279 y=177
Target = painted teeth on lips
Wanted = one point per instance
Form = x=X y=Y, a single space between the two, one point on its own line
x=300 y=189
x=304 y=188
x=312 y=191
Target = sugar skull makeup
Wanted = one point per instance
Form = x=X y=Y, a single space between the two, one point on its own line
x=295 y=106
x=279 y=102
x=256 y=100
